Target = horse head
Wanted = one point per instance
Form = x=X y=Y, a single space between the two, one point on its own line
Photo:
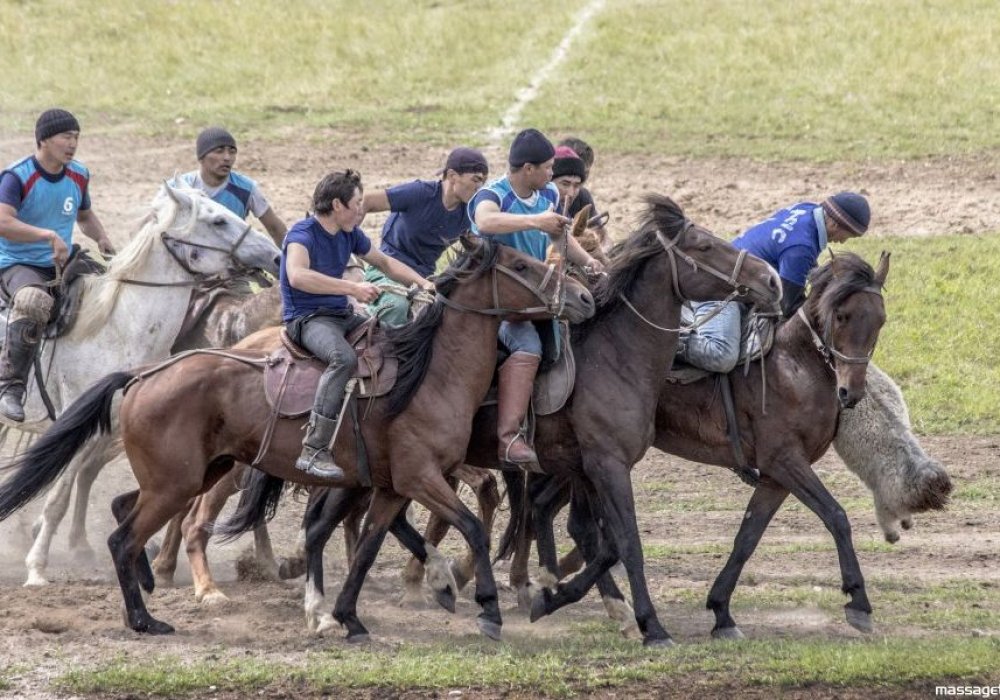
x=519 y=287
x=845 y=303
x=206 y=238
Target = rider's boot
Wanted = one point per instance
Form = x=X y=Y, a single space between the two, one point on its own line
x=15 y=362
x=517 y=380
x=316 y=458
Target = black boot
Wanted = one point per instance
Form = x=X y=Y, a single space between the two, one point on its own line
x=15 y=362
x=316 y=458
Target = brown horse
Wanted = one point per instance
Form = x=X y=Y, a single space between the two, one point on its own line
x=622 y=358
x=184 y=425
x=816 y=368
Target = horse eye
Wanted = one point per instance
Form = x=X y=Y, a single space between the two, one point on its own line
x=219 y=221
x=521 y=266
x=841 y=317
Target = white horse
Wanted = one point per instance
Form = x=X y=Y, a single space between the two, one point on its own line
x=131 y=316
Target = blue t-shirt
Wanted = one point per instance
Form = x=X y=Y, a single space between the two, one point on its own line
x=329 y=255
x=531 y=241
x=44 y=200
x=239 y=194
x=790 y=241
x=419 y=227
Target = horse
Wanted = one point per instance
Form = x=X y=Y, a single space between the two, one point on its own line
x=178 y=448
x=130 y=315
x=622 y=356
x=816 y=368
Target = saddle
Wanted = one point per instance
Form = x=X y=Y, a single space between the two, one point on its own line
x=756 y=339
x=292 y=372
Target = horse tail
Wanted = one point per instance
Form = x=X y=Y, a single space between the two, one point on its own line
x=518 y=511
x=49 y=456
x=258 y=504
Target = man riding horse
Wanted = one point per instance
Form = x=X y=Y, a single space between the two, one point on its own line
x=315 y=306
x=41 y=198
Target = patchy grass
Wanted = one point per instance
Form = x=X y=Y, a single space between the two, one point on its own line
x=597 y=659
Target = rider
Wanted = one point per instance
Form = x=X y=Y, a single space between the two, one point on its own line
x=315 y=304
x=216 y=151
x=583 y=150
x=791 y=241
x=519 y=210
x=426 y=217
x=41 y=197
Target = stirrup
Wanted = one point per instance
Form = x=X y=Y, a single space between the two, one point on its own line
x=314 y=464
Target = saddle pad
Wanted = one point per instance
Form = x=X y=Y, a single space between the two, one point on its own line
x=553 y=387
x=756 y=340
x=292 y=375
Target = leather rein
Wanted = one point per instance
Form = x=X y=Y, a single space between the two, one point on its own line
x=553 y=306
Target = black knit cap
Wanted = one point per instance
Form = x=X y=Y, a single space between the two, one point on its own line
x=54 y=121
x=530 y=146
x=849 y=210
x=467 y=160
x=211 y=138
x=567 y=162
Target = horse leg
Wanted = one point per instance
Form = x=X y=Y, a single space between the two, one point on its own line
x=78 y=544
x=413 y=572
x=139 y=516
x=484 y=485
x=165 y=563
x=548 y=496
x=764 y=503
x=385 y=506
x=326 y=509
x=440 y=574
x=196 y=529
x=802 y=482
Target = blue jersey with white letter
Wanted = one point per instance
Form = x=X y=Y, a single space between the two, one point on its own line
x=532 y=241
x=790 y=241
x=44 y=200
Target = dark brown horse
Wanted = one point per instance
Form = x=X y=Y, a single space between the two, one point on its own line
x=816 y=368
x=186 y=425
x=622 y=358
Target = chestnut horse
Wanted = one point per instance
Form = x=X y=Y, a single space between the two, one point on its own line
x=185 y=423
x=622 y=357
x=816 y=368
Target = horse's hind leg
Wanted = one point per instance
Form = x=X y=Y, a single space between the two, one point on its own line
x=484 y=485
x=78 y=544
x=764 y=503
x=440 y=576
x=139 y=517
x=54 y=510
x=165 y=563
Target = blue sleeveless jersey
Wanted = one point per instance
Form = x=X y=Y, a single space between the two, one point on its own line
x=531 y=241
x=234 y=195
x=790 y=241
x=46 y=201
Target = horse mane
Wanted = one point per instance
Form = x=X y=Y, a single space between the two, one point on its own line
x=410 y=342
x=100 y=292
x=627 y=258
x=834 y=282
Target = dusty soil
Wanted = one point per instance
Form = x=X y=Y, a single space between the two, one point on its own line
x=76 y=620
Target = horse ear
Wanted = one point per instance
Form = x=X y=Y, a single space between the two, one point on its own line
x=882 y=271
x=175 y=194
x=470 y=243
x=580 y=221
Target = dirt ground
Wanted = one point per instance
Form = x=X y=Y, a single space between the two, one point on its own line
x=76 y=620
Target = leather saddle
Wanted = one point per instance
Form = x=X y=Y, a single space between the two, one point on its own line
x=292 y=372
x=757 y=337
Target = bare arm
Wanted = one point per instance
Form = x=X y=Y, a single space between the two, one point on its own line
x=93 y=229
x=13 y=229
x=376 y=200
x=401 y=272
x=489 y=219
x=274 y=225
x=306 y=280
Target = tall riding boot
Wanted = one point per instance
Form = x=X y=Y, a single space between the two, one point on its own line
x=15 y=362
x=517 y=379
x=316 y=458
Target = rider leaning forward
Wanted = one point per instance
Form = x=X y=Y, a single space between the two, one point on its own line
x=314 y=300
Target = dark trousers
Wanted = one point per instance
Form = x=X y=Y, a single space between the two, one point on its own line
x=323 y=336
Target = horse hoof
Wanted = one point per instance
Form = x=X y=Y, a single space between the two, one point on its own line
x=291 y=568
x=213 y=598
x=154 y=626
x=892 y=537
x=446 y=599
x=859 y=620
x=35 y=580
x=525 y=594
x=663 y=643
x=539 y=607
x=729 y=634
x=326 y=624
x=359 y=638
x=489 y=628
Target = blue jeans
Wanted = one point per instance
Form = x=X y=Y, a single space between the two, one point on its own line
x=520 y=337
x=715 y=346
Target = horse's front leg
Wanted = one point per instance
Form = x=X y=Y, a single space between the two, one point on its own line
x=165 y=563
x=802 y=482
x=548 y=495
x=54 y=510
x=413 y=572
x=78 y=544
x=764 y=503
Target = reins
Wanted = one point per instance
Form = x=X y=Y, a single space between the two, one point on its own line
x=823 y=345
x=553 y=306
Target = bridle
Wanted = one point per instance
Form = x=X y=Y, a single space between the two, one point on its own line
x=552 y=306
x=825 y=347
x=673 y=253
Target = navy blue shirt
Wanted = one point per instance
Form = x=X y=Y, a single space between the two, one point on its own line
x=419 y=227
x=790 y=241
x=328 y=254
